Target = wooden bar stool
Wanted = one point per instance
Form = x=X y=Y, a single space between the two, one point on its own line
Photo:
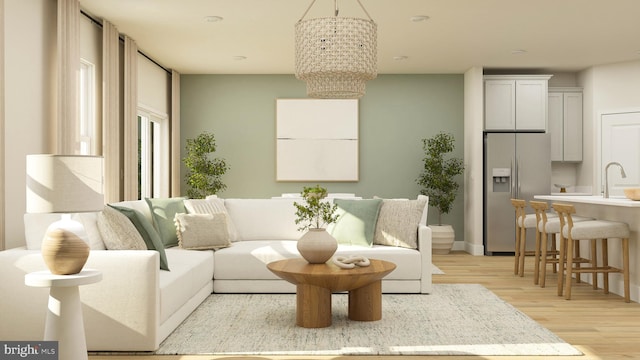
x=572 y=232
x=548 y=227
x=541 y=250
x=521 y=235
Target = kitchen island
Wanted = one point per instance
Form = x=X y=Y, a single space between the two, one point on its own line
x=615 y=208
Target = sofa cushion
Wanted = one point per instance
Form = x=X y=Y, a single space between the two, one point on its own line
x=146 y=231
x=398 y=222
x=357 y=220
x=118 y=233
x=263 y=219
x=202 y=231
x=190 y=271
x=247 y=260
x=163 y=211
x=211 y=205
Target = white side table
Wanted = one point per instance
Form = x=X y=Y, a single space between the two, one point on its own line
x=64 y=316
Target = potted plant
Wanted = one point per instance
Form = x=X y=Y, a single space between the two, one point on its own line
x=316 y=245
x=437 y=180
x=204 y=173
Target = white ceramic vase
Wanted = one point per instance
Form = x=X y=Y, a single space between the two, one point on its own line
x=317 y=246
x=442 y=238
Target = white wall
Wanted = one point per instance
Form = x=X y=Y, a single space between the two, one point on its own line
x=30 y=67
x=473 y=158
x=607 y=88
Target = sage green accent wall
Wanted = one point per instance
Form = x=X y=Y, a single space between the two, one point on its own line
x=395 y=114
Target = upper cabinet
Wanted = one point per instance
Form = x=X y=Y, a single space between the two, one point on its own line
x=565 y=124
x=515 y=102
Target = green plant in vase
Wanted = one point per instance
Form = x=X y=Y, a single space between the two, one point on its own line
x=316 y=245
x=315 y=213
x=438 y=181
x=204 y=173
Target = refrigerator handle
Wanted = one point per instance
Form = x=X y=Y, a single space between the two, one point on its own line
x=514 y=194
x=517 y=177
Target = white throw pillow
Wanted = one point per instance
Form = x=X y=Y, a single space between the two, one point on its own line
x=202 y=231
x=118 y=232
x=211 y=205
x=398 y=222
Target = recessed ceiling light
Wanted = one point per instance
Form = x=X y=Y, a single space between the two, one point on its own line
x=400 y=58
x=419 y=18
x=518 y=51
x=239 y=57
x=213 y=18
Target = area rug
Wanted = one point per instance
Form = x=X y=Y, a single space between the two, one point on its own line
x=436 y=270
x=454 y=320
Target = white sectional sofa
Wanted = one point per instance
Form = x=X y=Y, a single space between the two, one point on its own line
x=137 y=305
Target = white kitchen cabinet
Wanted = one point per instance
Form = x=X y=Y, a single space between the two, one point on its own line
x=565 y=124
x=515 y=103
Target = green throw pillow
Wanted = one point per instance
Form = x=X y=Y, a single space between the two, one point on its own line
x=164 y=211
x=356 y=223
x=147 y=232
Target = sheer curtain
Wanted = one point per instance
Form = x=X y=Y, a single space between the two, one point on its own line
x=2 y=172
x=68 y=70
x=130 y=119
x=111 y=124
x=175 y=134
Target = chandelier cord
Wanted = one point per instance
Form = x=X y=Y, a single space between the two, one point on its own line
x=309 y=8
x=336 y=9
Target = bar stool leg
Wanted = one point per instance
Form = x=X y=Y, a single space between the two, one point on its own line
x=561 y=264
x=516 y=254
x=523 y=249
x=625 y=270
x=536 y=259
x=605 y=265
x=569 y=271
x=543 y=259
x=554 y=247
x=594 y=264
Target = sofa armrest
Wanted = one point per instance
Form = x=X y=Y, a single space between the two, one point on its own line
x=121 y=309
x=424 y=246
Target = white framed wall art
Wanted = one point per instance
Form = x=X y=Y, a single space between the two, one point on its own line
x=317 y=140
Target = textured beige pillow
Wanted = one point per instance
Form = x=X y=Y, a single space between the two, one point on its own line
x=398 y=222
x=202 y=231
x=118 y=232
x=211 y=205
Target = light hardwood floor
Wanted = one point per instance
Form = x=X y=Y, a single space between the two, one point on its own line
x=601 y=326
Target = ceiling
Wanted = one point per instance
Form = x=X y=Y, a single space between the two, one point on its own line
x=547 y=35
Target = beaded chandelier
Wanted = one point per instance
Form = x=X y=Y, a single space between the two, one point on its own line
x=336 y=56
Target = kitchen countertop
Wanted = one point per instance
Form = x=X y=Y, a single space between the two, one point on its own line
x=591 y=199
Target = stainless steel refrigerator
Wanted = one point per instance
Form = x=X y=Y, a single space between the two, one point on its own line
x=516 y=165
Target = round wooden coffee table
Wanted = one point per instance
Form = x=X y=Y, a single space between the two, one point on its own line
x=315 y=283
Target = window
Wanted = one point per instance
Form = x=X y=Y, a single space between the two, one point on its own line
x=153 y=154
x=86 y=127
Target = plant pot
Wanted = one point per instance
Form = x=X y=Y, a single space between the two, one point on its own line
x=317 y=246
x=442 y=237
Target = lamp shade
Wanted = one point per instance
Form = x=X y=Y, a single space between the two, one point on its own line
x=64 y=183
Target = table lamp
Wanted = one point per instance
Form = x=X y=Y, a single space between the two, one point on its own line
x=64 y=184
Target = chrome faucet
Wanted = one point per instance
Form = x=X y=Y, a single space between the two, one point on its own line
x=606 y=177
